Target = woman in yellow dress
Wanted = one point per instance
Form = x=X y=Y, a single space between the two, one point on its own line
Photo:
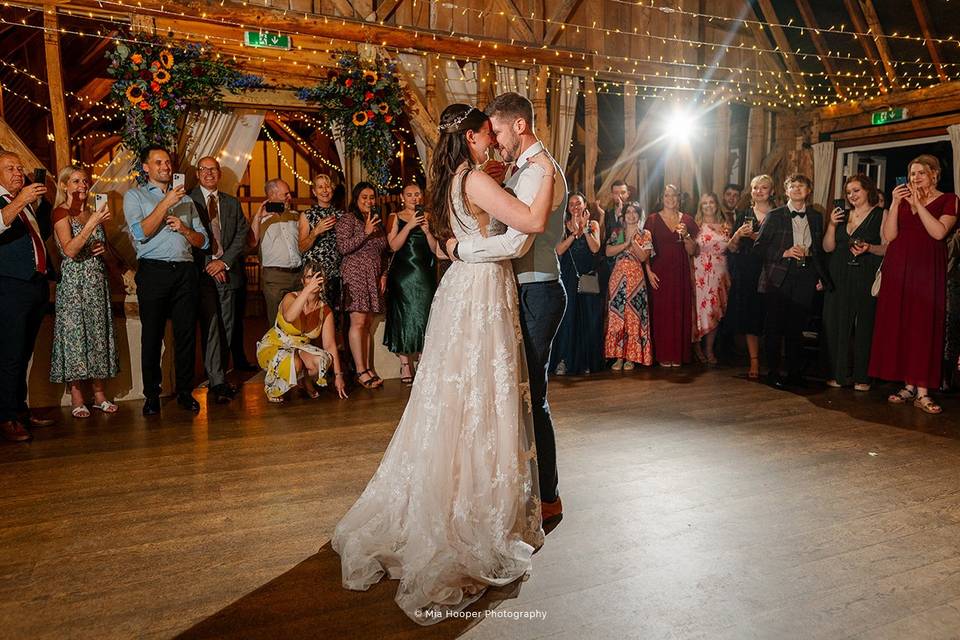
x=287 y=352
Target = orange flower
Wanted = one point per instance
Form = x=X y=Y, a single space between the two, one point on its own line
x=155 y=87
x=388 y=119
x=136 y=58
x=163 y=104
x=359 y=118
x=371 y=115
x=145 y=106
x=348 y=82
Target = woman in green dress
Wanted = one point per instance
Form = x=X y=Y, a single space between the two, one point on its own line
x=411 y=281
x=84 y=347
x=852 y=238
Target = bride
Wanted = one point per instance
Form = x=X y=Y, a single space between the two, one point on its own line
x=454 y=506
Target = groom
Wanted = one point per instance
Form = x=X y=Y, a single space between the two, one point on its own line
x=542 y=298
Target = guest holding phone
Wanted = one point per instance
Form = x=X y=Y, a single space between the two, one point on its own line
x=317 y=238
x=84 y=346
x=24 y=225
x=276 y=231
x=852 y=240
x=909 y=328
x=362 y=242
x=287 y=351
x=411 y=281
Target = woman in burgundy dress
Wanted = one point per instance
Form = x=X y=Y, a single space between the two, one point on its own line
x=909 y=328
x=671 y=279
x=362 y=242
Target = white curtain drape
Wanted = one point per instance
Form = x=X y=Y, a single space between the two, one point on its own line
x=229 y=136
x=564 y=119
x=822 y=168
x=510 y=79
x=954 y=131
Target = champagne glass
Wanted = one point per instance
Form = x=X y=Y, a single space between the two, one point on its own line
x=855 y=243
x=804 y=251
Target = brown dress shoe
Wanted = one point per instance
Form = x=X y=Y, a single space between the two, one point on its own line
x=14 y=431
x=551 y=513
x=37 y=421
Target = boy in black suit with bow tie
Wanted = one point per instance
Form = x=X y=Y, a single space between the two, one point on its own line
x=790 y=246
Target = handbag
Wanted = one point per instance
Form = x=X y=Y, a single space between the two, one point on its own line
x=588 y=283
x=875 y=287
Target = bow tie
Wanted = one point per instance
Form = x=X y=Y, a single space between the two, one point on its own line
x=798 y=214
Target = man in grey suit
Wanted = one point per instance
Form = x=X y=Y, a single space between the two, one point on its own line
x=542 y=298
x=221 y=273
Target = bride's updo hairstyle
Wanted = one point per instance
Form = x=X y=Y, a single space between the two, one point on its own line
x=452 y=151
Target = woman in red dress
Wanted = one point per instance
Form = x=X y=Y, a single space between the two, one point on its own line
x=671 y=280
x=909 y=328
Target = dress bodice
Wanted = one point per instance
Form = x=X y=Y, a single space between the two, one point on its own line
x=463 y=223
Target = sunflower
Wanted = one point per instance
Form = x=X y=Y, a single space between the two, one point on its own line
x=383 y=107
x=135 y=93
x=166 y=58
x=162 y=76
x=360 y=118
x=370 y=77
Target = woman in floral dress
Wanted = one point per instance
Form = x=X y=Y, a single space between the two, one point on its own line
x=628 y=313
x=318 y=240
x=710 y=274
x=362 y=242
x=84 y=347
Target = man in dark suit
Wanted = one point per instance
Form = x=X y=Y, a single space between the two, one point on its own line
x=221 y=273
x=790 y=246
x=24 y=293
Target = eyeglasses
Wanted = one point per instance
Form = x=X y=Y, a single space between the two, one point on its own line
x=208 y=170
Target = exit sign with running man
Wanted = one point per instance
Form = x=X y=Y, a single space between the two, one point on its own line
x=888 y=116
x=264 y=40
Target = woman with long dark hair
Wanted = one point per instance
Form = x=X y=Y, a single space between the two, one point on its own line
x=454 y=506
x=362 y=242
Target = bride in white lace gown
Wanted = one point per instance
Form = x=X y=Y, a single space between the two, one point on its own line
x=454 y=505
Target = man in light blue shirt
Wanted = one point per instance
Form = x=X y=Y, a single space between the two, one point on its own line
x=164 y=225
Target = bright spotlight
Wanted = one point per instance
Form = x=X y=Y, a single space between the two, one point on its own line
x=680 y=125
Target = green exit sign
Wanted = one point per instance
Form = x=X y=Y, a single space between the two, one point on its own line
x=888 y=116
x=265 y=40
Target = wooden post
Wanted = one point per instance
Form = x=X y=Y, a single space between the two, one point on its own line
x=484 y=83
x=542 y=124
x=58 y=107
x=591 y=128
x=721 y=147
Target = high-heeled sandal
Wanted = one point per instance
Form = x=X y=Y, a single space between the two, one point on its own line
x=370 y=382
x=406 y=379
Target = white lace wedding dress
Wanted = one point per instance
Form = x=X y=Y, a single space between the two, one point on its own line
x=454 y=506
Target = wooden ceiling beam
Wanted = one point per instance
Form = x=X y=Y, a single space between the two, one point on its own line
x=556 y=25
x=860 y=26
x=873 y=21
x=387 y=9
x=770 y=15
x=923 y=17
x=516 y=20
x=345 y=8
x=811 y=21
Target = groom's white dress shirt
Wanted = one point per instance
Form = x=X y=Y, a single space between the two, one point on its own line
x=534 y=256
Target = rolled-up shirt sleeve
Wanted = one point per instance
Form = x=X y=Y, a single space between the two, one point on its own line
x=197 y=224
x=505 y=246
x=133 y=213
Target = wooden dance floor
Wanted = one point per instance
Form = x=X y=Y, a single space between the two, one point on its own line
x=698 y=505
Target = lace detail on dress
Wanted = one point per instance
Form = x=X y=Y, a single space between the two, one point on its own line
x=454 y=506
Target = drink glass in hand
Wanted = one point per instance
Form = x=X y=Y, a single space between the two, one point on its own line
x=803 y=256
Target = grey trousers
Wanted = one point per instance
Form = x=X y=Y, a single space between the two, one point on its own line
x=217 y=306
x=276 y=283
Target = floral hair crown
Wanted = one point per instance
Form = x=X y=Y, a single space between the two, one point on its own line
x=453 y=125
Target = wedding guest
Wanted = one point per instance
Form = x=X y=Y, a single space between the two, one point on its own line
x=628 y=338
x=790 y=244
x=165 y=227
x=287 y=351
x=24 y=293
x=909 y=326
x=728 y=207
x=610 y=219
x=578 y=347
x=362 y=243
x=852 y=240
x=671 y=279
x=220 y=272
x=745 y=310
x=951 y=342
x=317 y=238
x=711 y=281
x=411 y=280
x=276 y=231
x=84 y=345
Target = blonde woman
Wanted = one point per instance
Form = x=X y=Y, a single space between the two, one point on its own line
x=711 y=282
x=84 y=347
x=745 y=312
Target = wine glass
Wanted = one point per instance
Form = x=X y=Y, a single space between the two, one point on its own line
x=855 y=243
